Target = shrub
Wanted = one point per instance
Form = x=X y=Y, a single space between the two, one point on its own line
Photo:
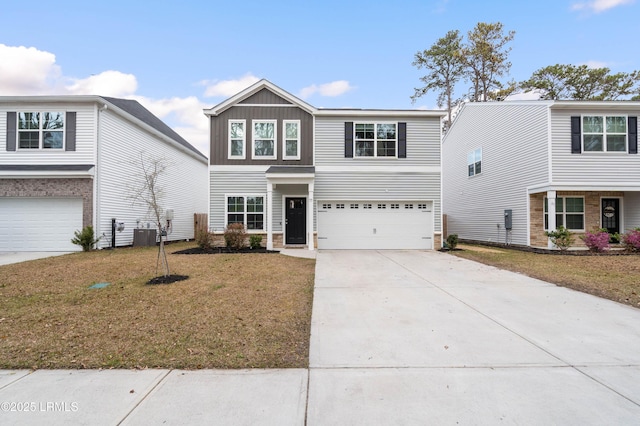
x=85 y=238
x=631 y=240
x=452 y=241
x=597 y=241
x=561 y=238
x=204 y=239
x=234 y=236
x=255 y=242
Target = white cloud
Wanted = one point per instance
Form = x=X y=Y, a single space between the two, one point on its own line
x=333 y=89
x=107 y=83
x=599 y=6
x=228 y=88
x=596 y=64
x=27 y=71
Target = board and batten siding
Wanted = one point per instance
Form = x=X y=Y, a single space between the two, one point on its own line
x=514 y=142
x=119 y=174
x=220 y=134
x=423 y=142
x=85 y=135
x=589 y=167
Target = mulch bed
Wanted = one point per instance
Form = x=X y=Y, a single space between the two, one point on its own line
x=223 y=250
x=612 y=252
x=168 y=279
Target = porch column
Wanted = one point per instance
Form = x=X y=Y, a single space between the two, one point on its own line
x=269 y=220
x=551 y=213
x=310 y=209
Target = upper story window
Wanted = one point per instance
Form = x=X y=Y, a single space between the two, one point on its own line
x=291 y=138
x=375 y=140
x=604 y=133
x=474 y=162
x=264 y=139
x=40 y=130
x=237 y=139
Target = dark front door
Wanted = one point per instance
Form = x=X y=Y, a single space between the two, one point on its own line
x=296 y=221
x=611 y=215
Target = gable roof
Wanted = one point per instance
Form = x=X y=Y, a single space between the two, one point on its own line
x=252 y=90
x=135 y=109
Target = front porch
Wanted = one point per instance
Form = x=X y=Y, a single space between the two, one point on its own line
x=290 y=207
x=581 y=211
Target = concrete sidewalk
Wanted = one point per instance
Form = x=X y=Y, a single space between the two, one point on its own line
x=397 y=337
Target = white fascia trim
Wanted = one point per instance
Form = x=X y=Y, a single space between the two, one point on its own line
x=379 y=113
x=255 y=88
x=393 y=169
x=237 y=168
x=574 y=186
x=12 y=174
x=596 y=105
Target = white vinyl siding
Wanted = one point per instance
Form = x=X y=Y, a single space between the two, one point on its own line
x=595 y=168
x=119 y=174
x=423 y=143
x=85 y=136
x=514 y=140
x=631 y=211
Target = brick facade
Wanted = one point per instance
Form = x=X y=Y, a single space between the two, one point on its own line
x=55 y=187
x=591 y=214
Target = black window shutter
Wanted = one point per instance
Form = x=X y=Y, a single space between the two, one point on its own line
x=402 y=140
x=11 y=131
x=70 y=131
x=348 y=139
x=633 y=134
x=576 y=136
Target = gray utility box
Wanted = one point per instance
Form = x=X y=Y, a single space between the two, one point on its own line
x=144 y=237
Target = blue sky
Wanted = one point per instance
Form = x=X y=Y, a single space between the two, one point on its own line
x=177 y=58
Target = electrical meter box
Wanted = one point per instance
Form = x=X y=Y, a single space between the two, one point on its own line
x=508 y=219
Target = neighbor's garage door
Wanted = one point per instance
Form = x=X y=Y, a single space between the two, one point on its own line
x=39 y=224
x=375 y=225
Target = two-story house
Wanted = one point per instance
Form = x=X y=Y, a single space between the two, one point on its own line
x=516 y=169
x=67 y=162
x=326 y=178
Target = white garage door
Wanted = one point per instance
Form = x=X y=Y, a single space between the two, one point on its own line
x=375 y=225
x=39 y=224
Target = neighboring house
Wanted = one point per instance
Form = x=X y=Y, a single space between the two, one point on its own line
x=71 y=161
x=353 y=179
x=521 y=160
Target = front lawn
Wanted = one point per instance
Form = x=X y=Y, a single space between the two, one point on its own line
x=609 y=276
x=235 y=311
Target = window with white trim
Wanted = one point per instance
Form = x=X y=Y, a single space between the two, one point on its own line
x=291 y=139
x=264 y=139
x=375 y=140
x=40 y=130
x=474 y=162
x=569 y=213
x=604 y=133
x=245 y=209
x=237 y=139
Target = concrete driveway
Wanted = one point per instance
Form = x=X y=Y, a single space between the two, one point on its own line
x=409 y=337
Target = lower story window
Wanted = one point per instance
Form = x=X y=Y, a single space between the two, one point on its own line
x=247 y=210
x=569 y=213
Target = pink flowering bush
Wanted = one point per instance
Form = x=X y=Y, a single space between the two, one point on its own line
x=597 y=241
x=631 y=240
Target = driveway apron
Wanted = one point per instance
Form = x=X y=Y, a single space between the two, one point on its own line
x=415 y=337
